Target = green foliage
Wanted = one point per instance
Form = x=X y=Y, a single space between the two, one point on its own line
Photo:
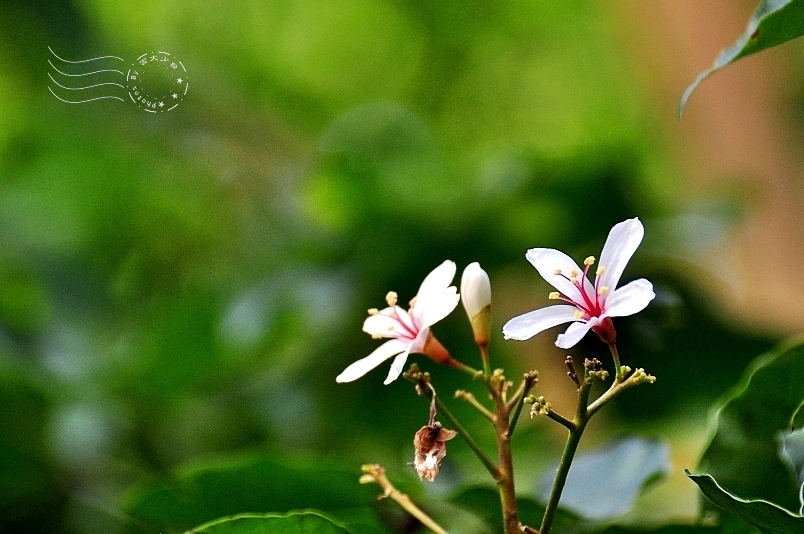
x=743 y=453
x=773 y=23
x=307 y=522
x=604 y=483
x=254 y=484
x=29 y=481
x=764 y=515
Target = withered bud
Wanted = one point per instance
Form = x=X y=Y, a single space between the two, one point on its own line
x=431 y=447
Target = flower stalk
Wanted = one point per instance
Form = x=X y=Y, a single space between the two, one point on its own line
x=376 y=473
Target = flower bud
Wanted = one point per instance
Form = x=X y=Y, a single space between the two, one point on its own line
x=430 y=445
x=476 y=298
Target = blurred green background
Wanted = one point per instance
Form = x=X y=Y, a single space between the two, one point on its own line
x=184 y=287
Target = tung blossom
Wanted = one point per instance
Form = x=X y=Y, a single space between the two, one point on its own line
x=409 y=330
x=590 y=306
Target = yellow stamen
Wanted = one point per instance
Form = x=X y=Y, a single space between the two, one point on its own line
x=557 y=272
x=555 y=295
x=373 y=311
x=579 y=314
x=574 y=273
x=574 y=279
x=603 y=290
x=600 y=270
x=391 y=298
x=390 y=327
x=376 y=336
x=589 y=261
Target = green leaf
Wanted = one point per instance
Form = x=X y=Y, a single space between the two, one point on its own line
x=743 y=452
x=766 y=516
x=307 y=522
x=257 y=484
x=792 y=450
x=774 y=22
x=604 y=483
x=797 y=421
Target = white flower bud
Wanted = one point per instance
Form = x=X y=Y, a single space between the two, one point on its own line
x=476 y=298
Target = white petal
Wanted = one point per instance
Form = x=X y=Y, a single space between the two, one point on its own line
x=417 y=345
x=360 y=367
x=390 y=322
x=429 y=311
x=623 y=240
x=630 y=299
x=396 y=367
x=438 y=280
x=547 y=261
x=529 y=324
x=573 y=334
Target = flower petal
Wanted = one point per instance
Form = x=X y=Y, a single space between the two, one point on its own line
x=547 y=261
x=574 y=333
x=529 y=324
x=623 y=240
x=390 y=322
x=396 y=367
x=630 y=299
x=438 y=280
x=430 y=310
x=360 y=367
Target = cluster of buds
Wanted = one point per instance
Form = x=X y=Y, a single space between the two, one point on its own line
x=538 y=405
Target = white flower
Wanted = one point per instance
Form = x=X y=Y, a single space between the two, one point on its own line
x=590 y=305
x=409 y=330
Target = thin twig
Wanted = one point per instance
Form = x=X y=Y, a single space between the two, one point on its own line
x=376 y=473
x=472 y=400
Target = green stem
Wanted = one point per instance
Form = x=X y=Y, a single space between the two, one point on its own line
x=484 y=355
x=618 y=369
x=570 y=448
x=489 y=465
x=515 y=406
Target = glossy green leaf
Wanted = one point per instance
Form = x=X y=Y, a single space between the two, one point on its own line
x=743 y=452
x=604 y=483
x=774 y=22
x=307 y=522
x=766 y=516
x=253 y=485
x=797 y=421
x=792 y=450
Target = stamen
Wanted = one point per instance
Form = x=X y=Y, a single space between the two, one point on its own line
x=589 y=261
x=600 y=270
x=390 y=328
x=603 y=290
x=579 y=314
x=557 y=272
x=574 y=280
x=376 y=336
x=555 y=295
x=574 y=273
x=391 y=298
x=373 y=311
